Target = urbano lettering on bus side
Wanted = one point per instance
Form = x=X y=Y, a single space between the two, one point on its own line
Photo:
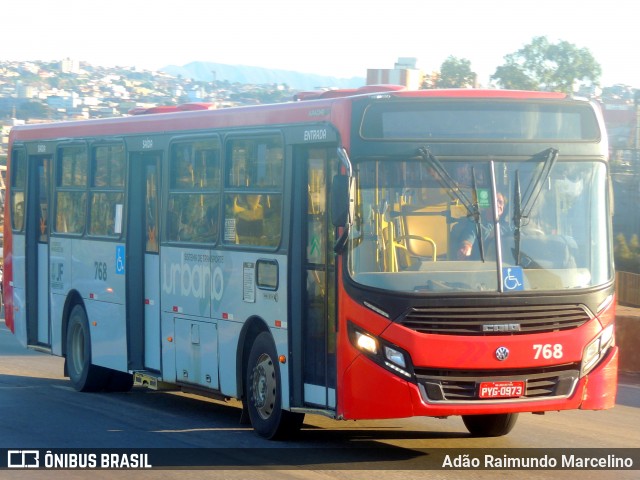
x=192 y=280
x=315 y=135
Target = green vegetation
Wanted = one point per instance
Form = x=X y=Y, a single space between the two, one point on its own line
x=456 y=73
x=627 y=255
x=541 y=65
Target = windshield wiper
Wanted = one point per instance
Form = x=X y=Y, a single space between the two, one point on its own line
x=532 y=193
x=517 y=217
x=446 y=181
x=452 y=186
x=476 y=215
x=522 y=209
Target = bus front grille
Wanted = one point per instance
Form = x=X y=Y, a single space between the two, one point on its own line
x=454 y=386
x=495 y=320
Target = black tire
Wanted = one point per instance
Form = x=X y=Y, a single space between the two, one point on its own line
x=263 y=394
x=84 y=376
x=495 y=425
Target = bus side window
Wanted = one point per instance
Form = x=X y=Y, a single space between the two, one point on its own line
x=193 y=203
x=71 y=193
x=106 y=195
x=103 y=213
x=18 y=213
x=253 y=201
x=70 y=208
x=249 y=215
x=18 y=184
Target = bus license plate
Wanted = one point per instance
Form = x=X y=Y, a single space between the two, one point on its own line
x=501 y=389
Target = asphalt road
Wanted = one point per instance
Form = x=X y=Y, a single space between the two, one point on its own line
x=40 y=410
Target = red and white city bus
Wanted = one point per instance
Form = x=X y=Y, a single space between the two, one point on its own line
x=377 y=253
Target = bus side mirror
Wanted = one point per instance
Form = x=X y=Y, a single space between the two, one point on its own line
x=342 y=201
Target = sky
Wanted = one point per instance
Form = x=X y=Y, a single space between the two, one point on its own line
x=341 y=38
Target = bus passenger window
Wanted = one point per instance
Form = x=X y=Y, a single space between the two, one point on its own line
x=106 y=195
x=253 y=219
x=253 y=200
x=192 y=213
x=18 y=214
x=249 y=215
x=71 y=194
x=173 y=220
x=207 y=227
x=70 y=212
x=192 y=218
x=103 y=213
x=18 y=185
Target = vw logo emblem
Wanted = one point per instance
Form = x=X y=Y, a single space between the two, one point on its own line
x=502 y=353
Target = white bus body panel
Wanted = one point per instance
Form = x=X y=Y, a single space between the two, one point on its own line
x=89 y=266
x=60 y=268
x=196 y=346
x=218 y=288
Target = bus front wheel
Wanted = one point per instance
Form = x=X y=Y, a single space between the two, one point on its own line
x=263 y=392
x=84 y=376
x=494 y=425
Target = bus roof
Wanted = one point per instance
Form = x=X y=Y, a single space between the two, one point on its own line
x=310 y=107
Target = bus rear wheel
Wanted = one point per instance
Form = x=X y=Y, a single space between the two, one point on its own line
x=84 y=376
x=264 y=394
x=494 y=425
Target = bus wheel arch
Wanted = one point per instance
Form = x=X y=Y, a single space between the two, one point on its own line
x=84 y=376
x=73 y=298
x=262 y=386
x=253 y=327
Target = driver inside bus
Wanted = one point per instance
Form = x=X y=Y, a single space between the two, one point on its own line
x=466 y=232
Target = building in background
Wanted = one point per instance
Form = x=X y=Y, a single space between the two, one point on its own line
x=404 y=73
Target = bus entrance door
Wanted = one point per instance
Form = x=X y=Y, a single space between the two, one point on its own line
x=318 y=312
x=37 y=252
x=143 y=264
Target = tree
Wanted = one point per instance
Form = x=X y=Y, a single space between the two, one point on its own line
x=541 y=65
x=456 y=73
x=627 y=255
x=27 y=110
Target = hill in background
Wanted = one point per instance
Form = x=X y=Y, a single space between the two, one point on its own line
x=204 y=72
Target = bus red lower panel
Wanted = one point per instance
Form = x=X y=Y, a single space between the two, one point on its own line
x=371 y=392
x=601 y=386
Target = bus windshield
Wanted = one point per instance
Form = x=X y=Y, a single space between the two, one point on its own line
x=479 y=225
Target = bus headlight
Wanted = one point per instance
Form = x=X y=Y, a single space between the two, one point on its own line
x=366 y=343
x=387 y=355
x=596 y=350
x=395 y=356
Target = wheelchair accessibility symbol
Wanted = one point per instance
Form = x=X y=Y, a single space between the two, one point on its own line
x=513 y=278
x=120 y=259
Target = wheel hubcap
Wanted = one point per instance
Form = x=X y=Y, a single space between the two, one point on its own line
x=264 y=386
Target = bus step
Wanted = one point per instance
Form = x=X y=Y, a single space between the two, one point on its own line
x=149 y=380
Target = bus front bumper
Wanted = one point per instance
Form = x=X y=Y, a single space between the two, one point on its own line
x=375 y=393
